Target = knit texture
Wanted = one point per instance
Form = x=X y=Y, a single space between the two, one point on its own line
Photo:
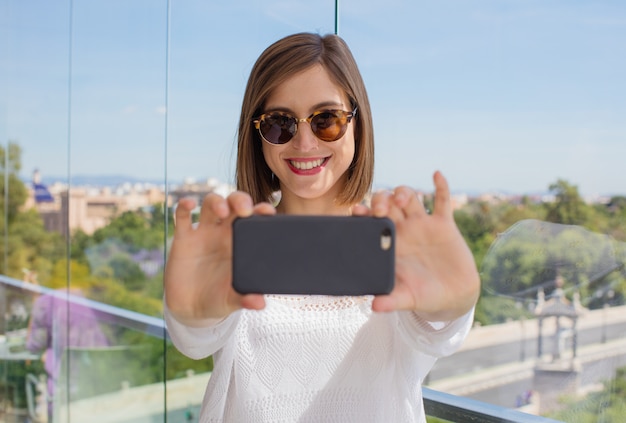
x=318 y=359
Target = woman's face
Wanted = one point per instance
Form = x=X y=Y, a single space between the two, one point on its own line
x=311 y=172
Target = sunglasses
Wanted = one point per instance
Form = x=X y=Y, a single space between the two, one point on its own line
x=280 y=128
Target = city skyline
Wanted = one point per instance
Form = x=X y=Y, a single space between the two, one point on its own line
x=499 y=96
x=123 y=183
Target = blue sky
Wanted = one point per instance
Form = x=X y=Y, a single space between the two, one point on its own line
x=506 y=95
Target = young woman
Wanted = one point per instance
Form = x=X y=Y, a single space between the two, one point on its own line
x=306 y=131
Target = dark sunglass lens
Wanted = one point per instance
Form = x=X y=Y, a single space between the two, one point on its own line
x=329 y=126
x=278 y=129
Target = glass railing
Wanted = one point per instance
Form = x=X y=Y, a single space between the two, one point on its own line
x=453 y=408
x=105 y=364
x=63 y=354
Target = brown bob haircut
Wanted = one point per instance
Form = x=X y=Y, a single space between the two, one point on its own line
x=280 y=61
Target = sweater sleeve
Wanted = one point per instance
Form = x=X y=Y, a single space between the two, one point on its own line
x=201 y=341
x=437 y=339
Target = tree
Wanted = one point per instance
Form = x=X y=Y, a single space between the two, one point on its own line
x=618 y=203
x=10 y=166
x=27 y=244
x=79 y=243
x=568 y=207
x=127 y=271
x=477 y=225
x=113 y=250
x=613 y=216
x=31 y=247
x=136 y=229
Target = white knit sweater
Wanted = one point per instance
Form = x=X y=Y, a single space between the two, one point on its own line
x=318 y=359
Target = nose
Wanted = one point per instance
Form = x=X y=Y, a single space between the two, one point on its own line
x=305 y=139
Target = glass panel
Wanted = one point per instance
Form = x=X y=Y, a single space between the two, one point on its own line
x=521 y=105
x=34 y=81
x=76 y=358
x=116 y=204
x=213 y=48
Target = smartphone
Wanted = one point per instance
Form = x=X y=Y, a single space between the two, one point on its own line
x=313 y=255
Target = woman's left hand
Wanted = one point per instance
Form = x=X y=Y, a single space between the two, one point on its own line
x=436 y=275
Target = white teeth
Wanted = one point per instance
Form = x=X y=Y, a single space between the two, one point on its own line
x=306 y=165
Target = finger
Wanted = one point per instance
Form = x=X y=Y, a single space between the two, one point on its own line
x=391 y=302
x=253 y=301
x=264 y=209
x=182 y=215
x=214 y=210
x=381 y=201
x=400 y=298
x=238 y=301
x=361 y=210
x=395 y=213
x=409 y=202
x=240 y=204
x=384 y=205
x=383 y=304
x=443 y=206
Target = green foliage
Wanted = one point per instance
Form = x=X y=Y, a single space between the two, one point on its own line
x=610 y=218
x=477 y=227
x=106 y=267
x=507 y=214
x=112 y=258
x=128 y=272
x=153 y=287
x=10 y=165
x=111 y=252
x=78 y=246
x=112 y=292
x=147 y=359
x=435 y=420
x=480 y=222
x=28 y=245
x=103 y=267
x=568 y=207
x=13 y=380
x=587 y=255
x=177 y=364
x=606 y=406
x=31 y=247
x=498 y=309
x=137 y=230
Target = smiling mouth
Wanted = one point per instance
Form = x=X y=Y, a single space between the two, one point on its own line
x=307 y=165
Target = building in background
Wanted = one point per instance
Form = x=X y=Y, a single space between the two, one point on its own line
x=90 y=208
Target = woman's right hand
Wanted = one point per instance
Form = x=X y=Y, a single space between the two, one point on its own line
x=198 y=272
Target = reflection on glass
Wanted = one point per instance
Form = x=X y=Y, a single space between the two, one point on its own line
x=552 y=309
x=56 y=327
x=561 y=276
x=69 y=358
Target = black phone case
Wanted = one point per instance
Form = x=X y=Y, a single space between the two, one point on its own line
x=313 y=255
